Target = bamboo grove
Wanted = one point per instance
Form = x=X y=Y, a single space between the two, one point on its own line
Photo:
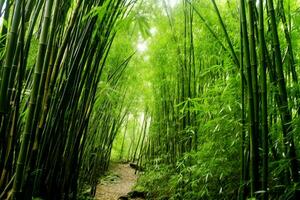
x=232 y=92
x=53 y=58
x=201 y=95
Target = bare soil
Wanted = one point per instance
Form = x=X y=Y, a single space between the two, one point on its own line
x=125 y=179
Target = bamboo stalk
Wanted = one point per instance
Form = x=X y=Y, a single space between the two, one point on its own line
x=264 y=106
x=10 y=49
x=28 y=128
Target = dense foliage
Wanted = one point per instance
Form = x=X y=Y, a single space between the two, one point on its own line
x=225 y=118
x=202 y=95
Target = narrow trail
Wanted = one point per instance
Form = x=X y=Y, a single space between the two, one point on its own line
x=119 y=184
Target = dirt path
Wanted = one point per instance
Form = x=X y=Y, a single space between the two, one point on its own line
x=120 y=182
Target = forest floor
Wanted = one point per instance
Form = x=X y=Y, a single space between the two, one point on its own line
x=119 y=182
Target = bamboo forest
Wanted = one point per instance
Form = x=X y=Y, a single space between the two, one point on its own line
x=149 y=99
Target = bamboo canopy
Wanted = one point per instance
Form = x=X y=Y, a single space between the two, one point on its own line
x=202 y=96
